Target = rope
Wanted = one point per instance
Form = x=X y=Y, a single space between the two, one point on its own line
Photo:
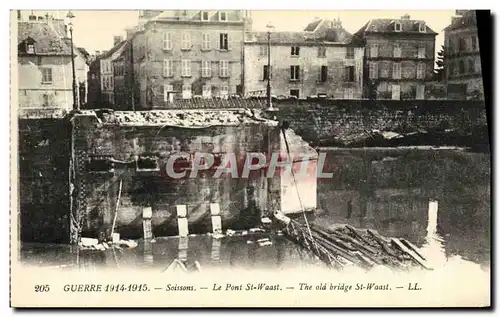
x=116 y=208
x=296 y=188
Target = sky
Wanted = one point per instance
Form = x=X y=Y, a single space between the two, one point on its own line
x=94 y=30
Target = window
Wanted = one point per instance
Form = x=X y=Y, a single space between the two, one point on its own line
x=205 y=42
x=349 y=93
x=420 y=93
x=294 y=72
x=383 y=87
x=167 y=91
x=349 y=73
x=224 y=68
x=224 y=91
x=396 y=71
x=349 y=52
x=186 y=41
x=321 y=52
x=46 y=75
x=474 y=42
x=461 y=45
x=206 y=91
x=30 y=48
x=323 y=75
x=477 y=65
x=45 y=100
x=186 y=91
x=398 y=27
x=384 y=70
x=223 y=39
x=265 y=73
x=263 y=50
x=397 y=51
x=471 y=66
x=222 y=16
x=461 y=67
x=204 y=15
x=421 y=27
x=421 y=52
x=295 y=50
x=186 y=68
x=374 y=50
x=396 y=92
x=168 y=68
x=206 y=68
x=167 y=41
x=295 y=93
x=421 y=71
x=373 y=71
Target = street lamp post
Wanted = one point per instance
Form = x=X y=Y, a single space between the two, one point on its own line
x=70 y=17
x=269 y=99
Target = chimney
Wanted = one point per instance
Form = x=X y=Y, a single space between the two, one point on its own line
x=32 y=17
x=97 y=53
x=19 y=17
x=117 y=40
x=40 y=18
x=405 y=17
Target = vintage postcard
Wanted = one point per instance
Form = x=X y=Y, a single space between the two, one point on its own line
x=239 y=158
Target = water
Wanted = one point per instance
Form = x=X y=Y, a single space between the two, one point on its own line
x=389 y=190
x=384 y=189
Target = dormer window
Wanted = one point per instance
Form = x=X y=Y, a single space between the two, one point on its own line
x=30 y=48
x=222 y=16
x=204 y=15
x=398 y=27
x=421 y=27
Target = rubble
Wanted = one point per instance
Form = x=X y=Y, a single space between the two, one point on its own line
x=184 y=118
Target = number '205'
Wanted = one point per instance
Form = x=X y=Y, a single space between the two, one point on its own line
x=42 y=288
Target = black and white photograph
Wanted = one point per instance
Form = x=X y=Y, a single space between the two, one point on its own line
x=250 y=158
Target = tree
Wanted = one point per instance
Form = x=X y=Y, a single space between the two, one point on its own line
x=439 y=71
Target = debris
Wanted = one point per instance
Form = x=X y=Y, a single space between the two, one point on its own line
x=265 y=243
x=249 y=241
x=116 y=237
x=263 y=240
x=153 y=241
x=253 y=230
x=266 y=220
x=100 y=247
x=230 y=232
x=218 y=235
x=127 y=243
x=88 y=242
x=244 y=232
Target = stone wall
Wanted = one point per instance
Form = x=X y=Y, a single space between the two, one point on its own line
x=43 y=180
x=342 y=122
x=127 y=137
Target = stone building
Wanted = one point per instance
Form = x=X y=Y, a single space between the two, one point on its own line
x=399 y=58
x=44 y=68
x=101 y=76
x=182 y=54
x=462 y=59
x=324 y=59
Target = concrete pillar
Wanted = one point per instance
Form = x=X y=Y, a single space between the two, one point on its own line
x=182 y=221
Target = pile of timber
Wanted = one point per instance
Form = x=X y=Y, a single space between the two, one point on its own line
x=345 y=245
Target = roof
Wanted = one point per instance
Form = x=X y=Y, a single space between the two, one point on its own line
x=311 y=27
x=317 y=32
x=48 y=41
x=387 y=26
x=117 y=48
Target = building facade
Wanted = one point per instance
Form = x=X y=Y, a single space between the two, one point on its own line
x=45 y=70
x=186 y=54
x=462 y=58
x=399 y=58
x=322 y=60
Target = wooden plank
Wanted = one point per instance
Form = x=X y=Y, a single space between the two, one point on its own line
x=411 y=246
x=412 y=254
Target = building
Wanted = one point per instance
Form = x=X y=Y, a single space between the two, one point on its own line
x=182 y=54
x=44 y=68
x=101 y=82
x=324 y=59
x=462 y=59
x=399 y=58
x=124 y=89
